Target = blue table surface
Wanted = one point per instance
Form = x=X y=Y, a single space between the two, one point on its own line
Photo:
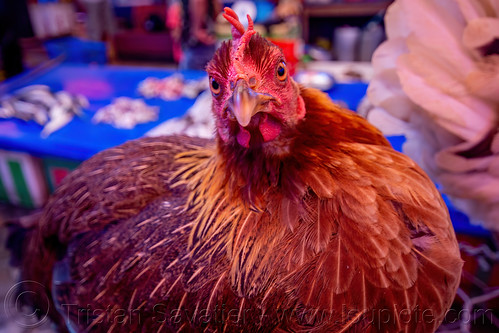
x=80 y=139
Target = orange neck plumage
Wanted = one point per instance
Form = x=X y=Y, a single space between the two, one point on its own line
x=251 y=173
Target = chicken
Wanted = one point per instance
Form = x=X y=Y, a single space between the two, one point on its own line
x=298 y=217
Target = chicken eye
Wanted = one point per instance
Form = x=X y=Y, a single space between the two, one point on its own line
x=214 y=86
x=282 y=72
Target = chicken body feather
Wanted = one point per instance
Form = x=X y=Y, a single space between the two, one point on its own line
x=157 y=235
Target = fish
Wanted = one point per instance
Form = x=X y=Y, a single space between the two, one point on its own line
x=39 y=104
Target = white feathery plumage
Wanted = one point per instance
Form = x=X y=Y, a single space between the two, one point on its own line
x=436 y=80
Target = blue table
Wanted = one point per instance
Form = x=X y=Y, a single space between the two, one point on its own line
x=80 y=139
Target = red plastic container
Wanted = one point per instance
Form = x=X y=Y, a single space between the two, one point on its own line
x=290 y=49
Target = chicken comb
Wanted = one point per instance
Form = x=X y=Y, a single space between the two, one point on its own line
x=240 y=37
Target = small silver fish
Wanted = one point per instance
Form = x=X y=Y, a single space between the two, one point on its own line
x=38 y=103
x=59 y=117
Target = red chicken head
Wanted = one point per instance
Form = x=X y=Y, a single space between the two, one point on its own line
x=255 y=102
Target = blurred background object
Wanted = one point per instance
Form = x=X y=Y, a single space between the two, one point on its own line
x=169 y=32
x=197 y=39
x=100 y=19
x=354 y=27
x=14 y=25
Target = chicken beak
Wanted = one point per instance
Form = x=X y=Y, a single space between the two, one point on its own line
x=246 y=102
